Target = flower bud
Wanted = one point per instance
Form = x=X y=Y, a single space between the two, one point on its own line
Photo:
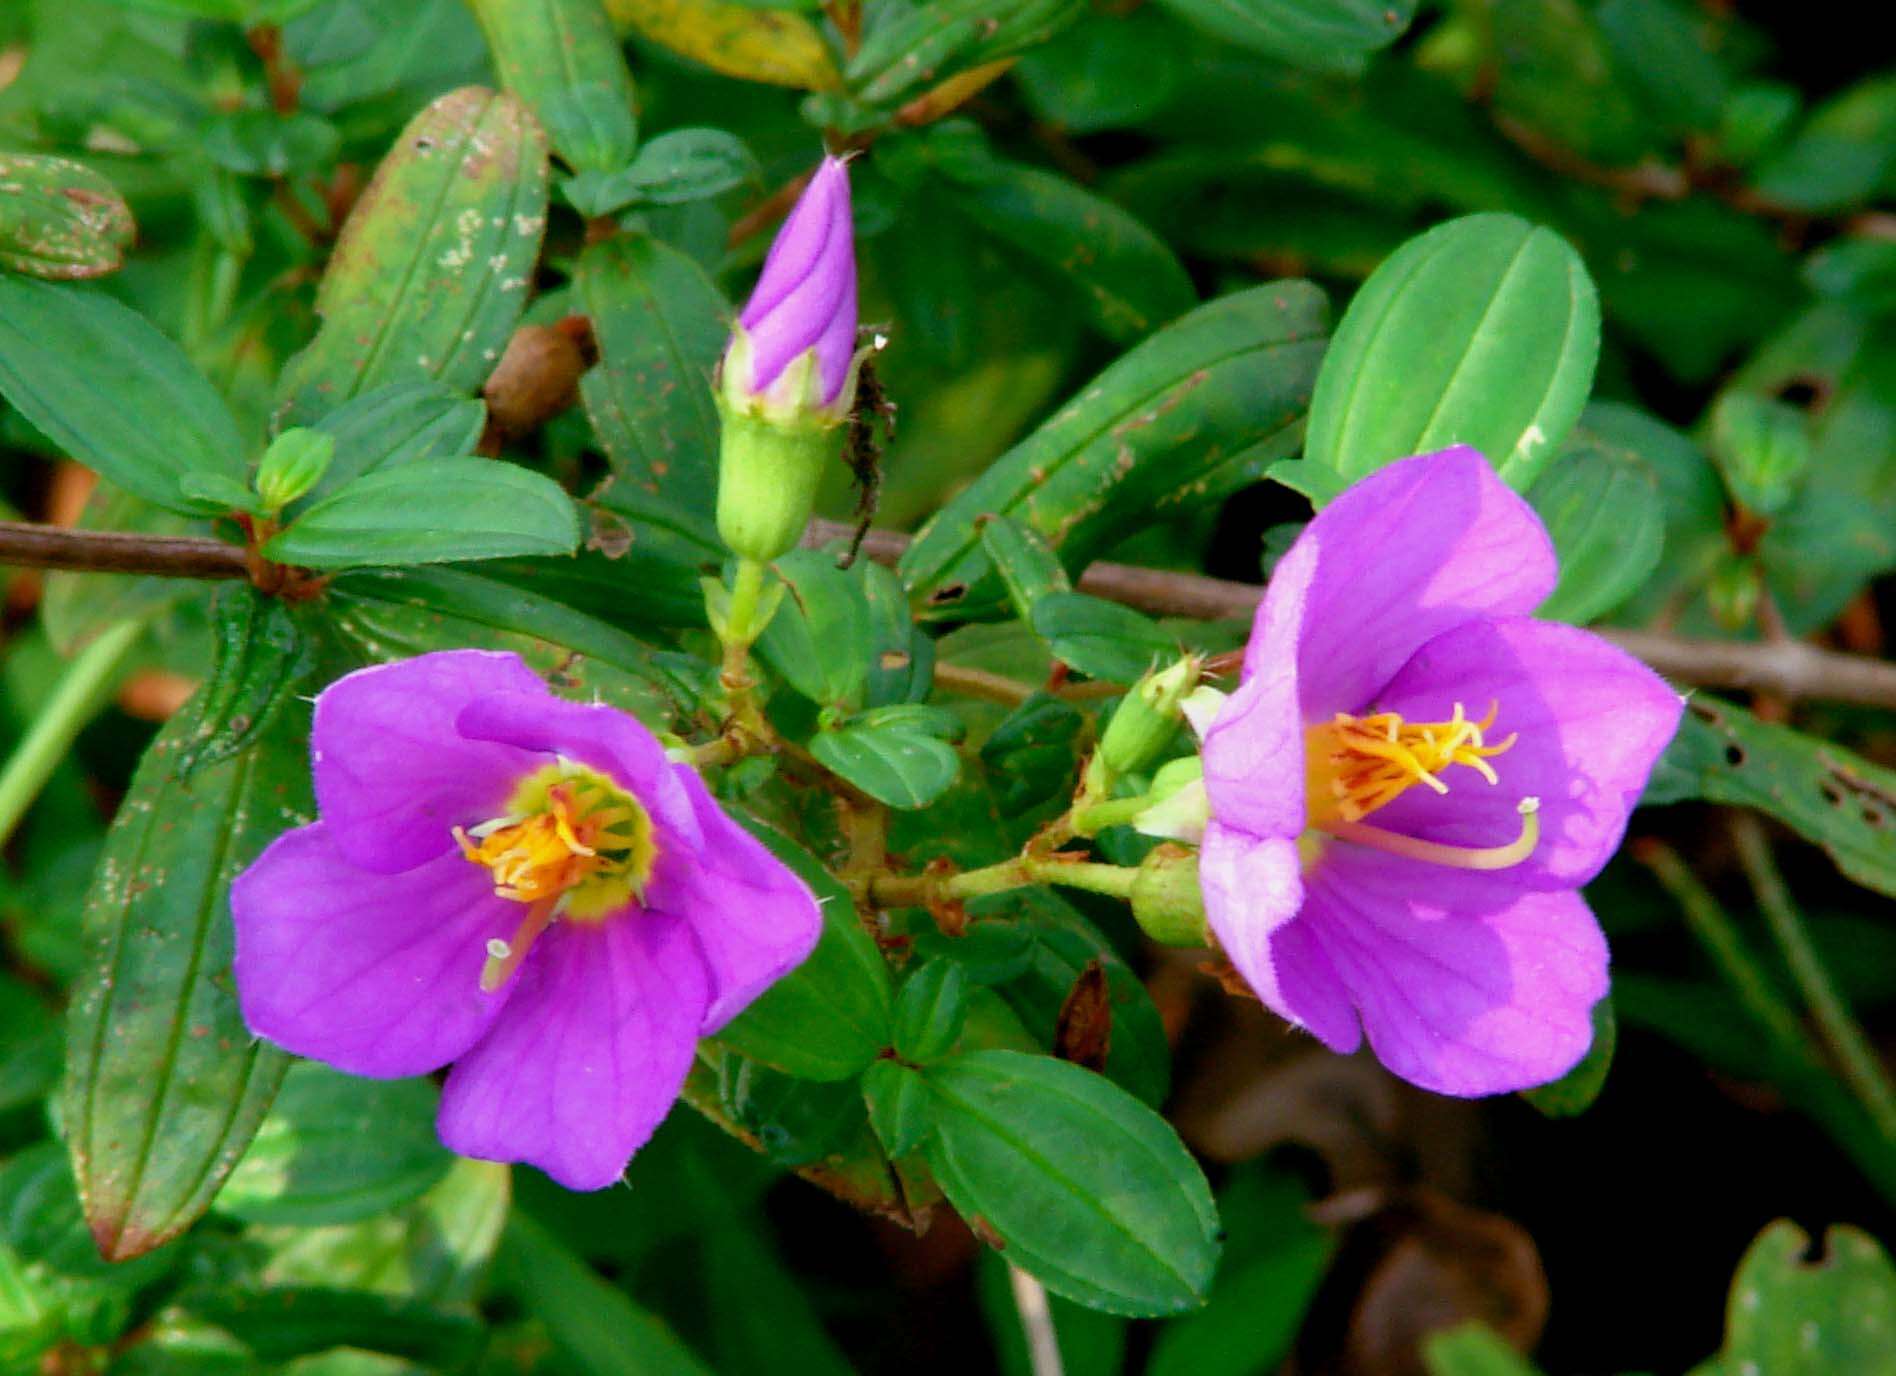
x=788 y=378
x=293 y=464
x=1147 y=719
x=1180 y=808
x=1167 y=900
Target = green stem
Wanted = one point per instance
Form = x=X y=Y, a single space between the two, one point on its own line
x=82 y=690
x=1713 y=926
x=740 y=630
x=1096 y=817
x=920 y=890
x=1861 y=1067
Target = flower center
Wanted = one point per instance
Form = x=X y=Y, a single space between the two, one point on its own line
x=1354 y=765
x=572 y=844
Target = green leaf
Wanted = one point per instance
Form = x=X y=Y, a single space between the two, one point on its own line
x=435 y=1250
x=1825 y=793
x=796 y=1122
x=673 y=169
x=661 y=327
x=930 y=1011
x=394 y=613
x=261 y=659
x=1666 y=51
x=1324 y=34
x=1125 y=278
x=60 y=219
x=167 y=1085
x=1845 y=153
x=1573 y=1093
x=337 y=1148
x=562 y=58
x=1792 y=1317
x=281 y=1324
x=819 y=642
x=900 y=1109
x=896 y=754
x=1108 y=71
x=1602 y=508
x=902 y=655
x=1483 y=331
x=831 y=1016
x=431 y=271
x=105 y=386
x=1101 y=639
x=1196 y=410
x=1090 y=1191
x=595 y=1325
x=1473 y=1349
x=1275 y=1258
x=1029 y=569
x=263 y=143
x=429 y=512
x=31 y=1049
x=906 y=51
x=403 y=422
x=731 y=37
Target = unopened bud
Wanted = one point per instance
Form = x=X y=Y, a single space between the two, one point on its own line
x=1180 y=809
x=1167 y=901
x=1146 y=721
x=788 y=377
x=293 y=464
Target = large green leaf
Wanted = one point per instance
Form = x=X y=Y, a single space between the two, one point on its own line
x=1086 y=1188
x=397 y=424
x=166 y=1085
x=661 y=327
x=1827 y=794
x=337 y=1148
x=899 y=754
x=1325 y=34
x=104 y=385
x=1194 y=411
x=431 y=271
x=562 y=59
x=1483 y=331
x=432 y=511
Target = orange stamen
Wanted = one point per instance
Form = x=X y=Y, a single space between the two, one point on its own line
x=1355 y=765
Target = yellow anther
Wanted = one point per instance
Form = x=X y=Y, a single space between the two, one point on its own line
x=1354 y=765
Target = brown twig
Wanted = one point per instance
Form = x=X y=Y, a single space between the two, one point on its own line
x=27 y=545
x=1790 y=668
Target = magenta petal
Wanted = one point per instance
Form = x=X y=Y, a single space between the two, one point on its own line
x=615 y=743
x=1461 y=989
x=1251 y=889
x=375 y=974
x=1253 y=752
x=598 y=1037
x=1407 y=553
x=1590 y=722
x=1314 y=997
x=754 y=918
x=806 y=295
x=393 y=777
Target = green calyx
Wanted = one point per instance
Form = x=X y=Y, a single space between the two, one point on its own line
x=1166 y=899
x=767 y=476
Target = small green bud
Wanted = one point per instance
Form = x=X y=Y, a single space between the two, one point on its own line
x=1762 y=446
x=293 y=464
x=1734 y=590
x=1167 y=901
x=1147 y=719
x=1180 y=807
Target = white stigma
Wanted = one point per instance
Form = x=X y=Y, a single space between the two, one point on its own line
x=498 y=949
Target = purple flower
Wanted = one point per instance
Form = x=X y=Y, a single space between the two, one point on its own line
x=520 y=885
x=804 y=307
x=1414 y=779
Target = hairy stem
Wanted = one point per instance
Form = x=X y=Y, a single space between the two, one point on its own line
x=82 y=690
x=1855 y=1057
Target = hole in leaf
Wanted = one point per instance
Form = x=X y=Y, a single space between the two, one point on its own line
x=1734 y=755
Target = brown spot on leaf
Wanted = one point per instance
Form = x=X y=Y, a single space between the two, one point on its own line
x=1083 y=1032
